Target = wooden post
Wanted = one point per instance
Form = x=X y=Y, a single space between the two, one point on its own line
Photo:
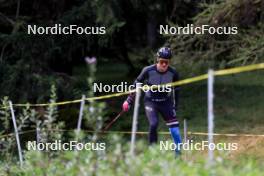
x=185 y=130
x=135 y=117
x=80 y=114
x=16 y=133
x=210 y=114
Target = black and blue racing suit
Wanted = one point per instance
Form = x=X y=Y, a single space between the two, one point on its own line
x=165 y=103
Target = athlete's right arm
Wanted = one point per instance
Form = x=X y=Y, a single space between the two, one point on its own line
x=140 y=79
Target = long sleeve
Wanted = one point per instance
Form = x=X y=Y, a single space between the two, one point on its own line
x=140 y=79
x=176 y=91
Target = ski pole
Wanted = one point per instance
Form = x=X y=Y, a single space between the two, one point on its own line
x=113 y=121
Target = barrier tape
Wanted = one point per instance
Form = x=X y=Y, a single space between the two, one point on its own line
x=177 y=83
x=191 y=133
x=144 y=133
x=229 y=135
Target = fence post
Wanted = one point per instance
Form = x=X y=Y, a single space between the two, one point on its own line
x=210 y=96
x=135 y=117
x=80 y=114
x=185 y=130
x=16 y=133
x=37 y=134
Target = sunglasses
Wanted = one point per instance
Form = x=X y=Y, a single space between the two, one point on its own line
x=162 y=62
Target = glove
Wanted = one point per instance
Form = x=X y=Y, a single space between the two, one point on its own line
x=125 y=106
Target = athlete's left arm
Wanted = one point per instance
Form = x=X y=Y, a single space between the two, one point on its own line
x=176 y=90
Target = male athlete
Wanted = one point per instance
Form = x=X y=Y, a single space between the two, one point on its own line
x=164 y=103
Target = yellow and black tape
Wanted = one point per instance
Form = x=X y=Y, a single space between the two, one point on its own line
x=177 y=83
x=142 y=133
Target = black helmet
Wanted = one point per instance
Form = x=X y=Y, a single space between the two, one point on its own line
x=164 y=53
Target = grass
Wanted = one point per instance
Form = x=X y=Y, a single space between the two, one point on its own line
x=118 y=161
